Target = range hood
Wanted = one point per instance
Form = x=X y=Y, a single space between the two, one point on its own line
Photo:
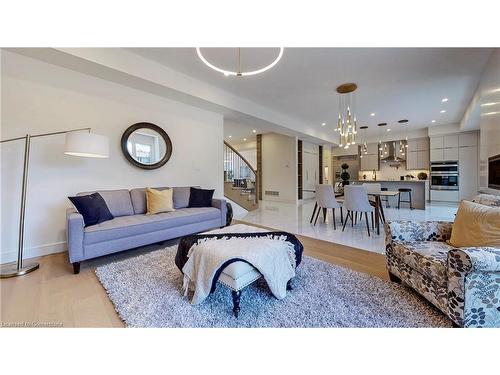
x=389 y=153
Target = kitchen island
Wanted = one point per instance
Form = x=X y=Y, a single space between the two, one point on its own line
x=418 y=191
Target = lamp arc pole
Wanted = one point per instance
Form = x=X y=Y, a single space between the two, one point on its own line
x=21 y=267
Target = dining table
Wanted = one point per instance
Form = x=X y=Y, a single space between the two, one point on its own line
x=379 y=209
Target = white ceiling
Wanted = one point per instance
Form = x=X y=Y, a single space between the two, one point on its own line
x=393 y=83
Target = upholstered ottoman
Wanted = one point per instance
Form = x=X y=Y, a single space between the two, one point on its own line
x=238 y=274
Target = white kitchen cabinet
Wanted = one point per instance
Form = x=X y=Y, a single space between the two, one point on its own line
x=372 y=148
x=436 y=154
x=412 y=160
x=467 y=139
x=468 y=173
x=412 y=145
x=444 y=195
x=436 y=142
x=417 y=160
x=450 y=141
x=423 y=159
x=370 y=161
x=450 y=154
x=422 y=144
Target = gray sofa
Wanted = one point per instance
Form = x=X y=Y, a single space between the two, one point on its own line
x=131 y=227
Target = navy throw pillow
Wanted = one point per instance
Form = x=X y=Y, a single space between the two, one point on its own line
x=93 y=208
x=200 y=197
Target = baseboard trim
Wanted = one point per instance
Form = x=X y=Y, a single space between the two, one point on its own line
x=33 y=252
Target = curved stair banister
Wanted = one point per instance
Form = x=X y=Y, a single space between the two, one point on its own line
x=240 y=179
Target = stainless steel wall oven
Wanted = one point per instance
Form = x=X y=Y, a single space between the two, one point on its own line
x=444 y=175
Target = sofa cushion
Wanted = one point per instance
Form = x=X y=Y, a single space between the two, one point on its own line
x=426 y=257
x=118 y=201
x=487 y=199
x=181 y=198
x=126 y=226
x=159 y=201
x=138 y=197
x=476 y=225
x=200 y=197
x=92 y=207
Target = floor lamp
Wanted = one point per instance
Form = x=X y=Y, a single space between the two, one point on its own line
x=79 y=142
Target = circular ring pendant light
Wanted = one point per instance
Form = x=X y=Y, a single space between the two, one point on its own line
x=239 y=73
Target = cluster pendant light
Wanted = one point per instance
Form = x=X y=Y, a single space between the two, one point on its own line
x=403 y=143
x=382 y=148
x=364 y=147
x=347 y=126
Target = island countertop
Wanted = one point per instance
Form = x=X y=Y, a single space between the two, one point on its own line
x=418 y=191
x=402 y=181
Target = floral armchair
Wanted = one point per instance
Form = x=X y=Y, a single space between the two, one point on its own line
x=464 y=283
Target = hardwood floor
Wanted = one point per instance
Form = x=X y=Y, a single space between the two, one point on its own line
x=53 y=295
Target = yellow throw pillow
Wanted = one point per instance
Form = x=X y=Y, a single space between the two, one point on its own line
x=159 y=201
x=476 y=225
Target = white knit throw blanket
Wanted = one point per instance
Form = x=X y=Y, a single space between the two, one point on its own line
x=272 y=256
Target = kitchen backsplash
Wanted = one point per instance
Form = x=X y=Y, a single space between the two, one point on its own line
x=387 y=172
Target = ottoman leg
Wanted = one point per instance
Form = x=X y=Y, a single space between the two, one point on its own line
x=236 y=302
x=289 y=285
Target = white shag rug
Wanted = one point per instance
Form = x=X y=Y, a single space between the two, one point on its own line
x=147 y=292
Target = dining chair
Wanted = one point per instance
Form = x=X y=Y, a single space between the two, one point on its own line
x=325 y=199
x=356 y=200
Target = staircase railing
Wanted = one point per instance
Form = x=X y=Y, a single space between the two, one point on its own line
x=240 y=172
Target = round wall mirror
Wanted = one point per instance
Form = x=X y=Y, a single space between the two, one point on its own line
x=146 y=145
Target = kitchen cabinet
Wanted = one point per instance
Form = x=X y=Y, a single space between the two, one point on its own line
x=467 y=140
x=444 y=148
x=436 y=142
x=450 y=141
x=468 y=174
x=423 y=144
x=450 y=154
x=370 y=161
x=436 y=154
x=423 y=159
x=444 y=195
x=462 y=147
x=418 y=154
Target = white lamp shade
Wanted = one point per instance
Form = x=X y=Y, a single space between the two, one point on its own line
x=87 y=145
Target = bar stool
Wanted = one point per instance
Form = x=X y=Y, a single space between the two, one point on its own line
x=405 y=190
x=385 y=199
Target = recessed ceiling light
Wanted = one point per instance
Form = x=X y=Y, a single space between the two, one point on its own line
x=388 y=129
x=323 y=123
x=444 y=100
x=244 y=139
x=433 y=121
x=254 y=131
x=372 y=114
x=230 y=136
x=443 y=111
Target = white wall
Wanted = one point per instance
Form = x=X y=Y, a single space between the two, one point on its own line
x=279 y=167
x=489 y=90
x=39 y=97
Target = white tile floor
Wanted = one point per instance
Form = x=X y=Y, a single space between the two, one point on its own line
x=295 y=219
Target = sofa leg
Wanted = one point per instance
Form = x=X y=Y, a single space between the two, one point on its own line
x=76 y=268
x=394 y=278
x=236 y=302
